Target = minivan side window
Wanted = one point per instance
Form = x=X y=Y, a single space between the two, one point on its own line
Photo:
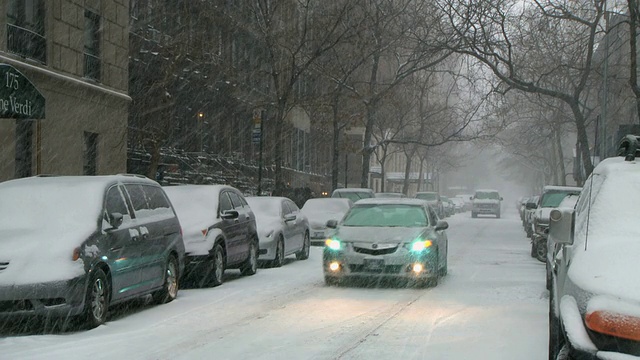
x=115 y=203
x=136 y=194
x=156 y=198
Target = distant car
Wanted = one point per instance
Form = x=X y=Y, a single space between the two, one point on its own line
x=486 y=202
x=449 y=207
x=458 y=204
x=390 y=195
x=319 y=211
x=72 y=246
x=433 y=199
x=468 y=203
x=530 y=208
x=396 y=239
x=283 y=230
x=594 y=301
x=219 y=231
x=353 y=194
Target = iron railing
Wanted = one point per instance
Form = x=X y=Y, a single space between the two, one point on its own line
x=27 y=43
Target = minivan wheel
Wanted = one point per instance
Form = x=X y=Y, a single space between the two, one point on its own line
x=97 y=299
x=303 y=254
x=250 y=265
x=169 y=289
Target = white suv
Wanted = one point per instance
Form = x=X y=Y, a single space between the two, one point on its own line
x=594 y=302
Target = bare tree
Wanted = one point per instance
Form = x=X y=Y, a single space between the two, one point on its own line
x=545 y=47
x=295 y=33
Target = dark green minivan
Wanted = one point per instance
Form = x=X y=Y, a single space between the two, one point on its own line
x=71 y=246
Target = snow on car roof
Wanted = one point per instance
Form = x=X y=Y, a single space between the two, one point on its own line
x=381 y=201
x=487 y=190
x=352 y=190
x=561 y=188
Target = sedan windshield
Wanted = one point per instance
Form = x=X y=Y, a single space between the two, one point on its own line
x=393 y=215
x=264 y=206
x=325 y=205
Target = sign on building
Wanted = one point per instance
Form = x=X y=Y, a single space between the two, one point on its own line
x=19 y=98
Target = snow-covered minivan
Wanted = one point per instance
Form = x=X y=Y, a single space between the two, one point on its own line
x=594 y=302
x=71 y=246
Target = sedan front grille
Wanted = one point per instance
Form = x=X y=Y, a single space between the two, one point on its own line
x=388 y=269
x=375 y=252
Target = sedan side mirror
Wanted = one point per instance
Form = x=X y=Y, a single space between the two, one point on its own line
x=332 y=224
x=531 y=205
x=290 y=217
x=442 y=225
x=501 y=198
x=115 y=220
x=229 y=214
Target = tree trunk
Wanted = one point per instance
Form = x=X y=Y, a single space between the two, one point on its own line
x=155 y=159
x=367 y=149
x=335 y=158
x=563 y=171
x=277 y=156
x=407 y=169
x=633 y=60
x=583 y=139
x=421 y=175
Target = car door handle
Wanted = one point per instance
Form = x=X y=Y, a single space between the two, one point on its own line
x=145 y=232
x=134 y=234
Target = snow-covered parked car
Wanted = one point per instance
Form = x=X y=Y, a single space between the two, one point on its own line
x=320 y=210
x=433 y=199
x=353 y=194
x=219 y=231
x=486 y=202
x=282 y=229
x=595 y=298
x=71 y=246
x=551 y=198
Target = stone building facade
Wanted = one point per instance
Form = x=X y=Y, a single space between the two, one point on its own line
x=75 y=53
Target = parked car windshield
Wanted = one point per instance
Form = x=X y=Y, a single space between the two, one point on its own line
x=486 y=195
x=264 y=205
x=552 y=199
x=427 y=196
x=353 y=195
x=325 y=205
x=386 y=215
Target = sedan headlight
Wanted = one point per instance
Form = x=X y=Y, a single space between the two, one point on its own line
x=333 y=244
x=420 y=245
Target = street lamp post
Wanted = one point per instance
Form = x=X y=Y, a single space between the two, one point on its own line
x=201 y=126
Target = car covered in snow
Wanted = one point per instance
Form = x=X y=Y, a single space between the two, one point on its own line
x=550 y=198
x=387 y=239
x=353 y=194
x=486 y=202
x=595 y=298
x=320 y=210
x=72 y=246
x=282 y=229
x=433 y=199
x=219 y=231
x=390 y=195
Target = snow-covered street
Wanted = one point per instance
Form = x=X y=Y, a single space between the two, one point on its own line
x=492 y=305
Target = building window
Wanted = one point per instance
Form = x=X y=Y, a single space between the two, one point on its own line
x=90 y=153
x=25 y=29
x=91 y=45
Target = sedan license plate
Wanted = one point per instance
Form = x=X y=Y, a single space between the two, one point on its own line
x=318 y=234
x=373 y=264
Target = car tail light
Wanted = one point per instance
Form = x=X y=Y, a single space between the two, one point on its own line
x=614 y=324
